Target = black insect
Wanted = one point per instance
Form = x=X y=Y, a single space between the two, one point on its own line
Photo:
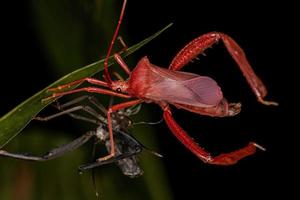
x=127 y=147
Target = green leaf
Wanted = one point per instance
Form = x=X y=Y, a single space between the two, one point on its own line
x=14 y=121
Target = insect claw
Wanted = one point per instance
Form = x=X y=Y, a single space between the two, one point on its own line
x=234 y=109
x=268 y=103
x=155 y=153
x=259 y=146
x=158 y=155
x=45 y=100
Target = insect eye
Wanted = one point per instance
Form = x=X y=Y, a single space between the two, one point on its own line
x=118 y=90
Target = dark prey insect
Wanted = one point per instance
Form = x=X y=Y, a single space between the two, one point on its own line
x=198 y=94
x=127 y=147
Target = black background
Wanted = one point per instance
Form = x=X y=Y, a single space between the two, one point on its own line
x=266 y=32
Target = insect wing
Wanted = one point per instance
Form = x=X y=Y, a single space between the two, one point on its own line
x=184 y=88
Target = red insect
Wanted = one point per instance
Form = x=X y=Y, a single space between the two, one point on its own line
x=198 y=94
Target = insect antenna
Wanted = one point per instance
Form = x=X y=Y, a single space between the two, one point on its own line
x=149 y=123
x=106 y=73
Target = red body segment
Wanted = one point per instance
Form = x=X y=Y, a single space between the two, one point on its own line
x=157 y=84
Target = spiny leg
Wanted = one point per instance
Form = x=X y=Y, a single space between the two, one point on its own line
x=188 y=142
x=198 y=45
x=54 y=153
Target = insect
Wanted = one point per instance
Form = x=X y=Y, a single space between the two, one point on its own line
x=127 y=147
x=148 y=83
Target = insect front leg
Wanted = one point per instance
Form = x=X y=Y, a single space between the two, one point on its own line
x=200 y=44
x=110 y=128
x=86 y=89
x=78 y=82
